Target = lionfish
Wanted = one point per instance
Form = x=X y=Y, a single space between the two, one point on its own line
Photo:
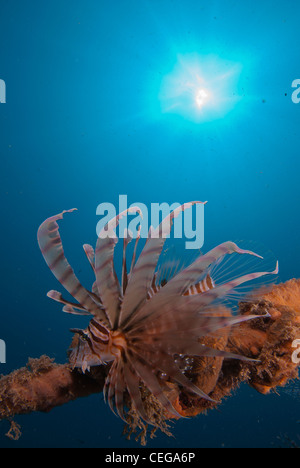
x=138 y=326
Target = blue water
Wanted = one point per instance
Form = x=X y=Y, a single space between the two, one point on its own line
x=86 y=120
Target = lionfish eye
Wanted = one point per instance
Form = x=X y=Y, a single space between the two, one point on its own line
x=82 y=334
x=84 y=337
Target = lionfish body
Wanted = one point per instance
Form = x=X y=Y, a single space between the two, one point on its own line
x=139 y=326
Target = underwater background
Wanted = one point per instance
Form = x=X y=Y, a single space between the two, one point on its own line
x=96 y=108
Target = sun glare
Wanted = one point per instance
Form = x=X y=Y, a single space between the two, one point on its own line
x=200 y=88
x=201 y=97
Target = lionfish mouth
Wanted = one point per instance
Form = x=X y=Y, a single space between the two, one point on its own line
x=118 y=344
x=145 y=322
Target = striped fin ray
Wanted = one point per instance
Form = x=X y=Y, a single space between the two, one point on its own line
x=89 y=252
x=74 y=311
x=52 y=250
x=69 y=307
x=95 y=293
x=201 y=287
x=154 y=288
x=110 y=383
x=57 y=297
x=126 y=240
x=135 y=249
x=142 y=275
x=106 y=279
x=120 y=387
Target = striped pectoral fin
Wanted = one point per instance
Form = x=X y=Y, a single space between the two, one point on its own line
x=177 y=286
x=165 y=363
x=107 y=283
x=146 y=374
x=181 y=282
x=52 y=250
x=144 y=269
x=198 y=304
x=198 y=325
x=110 y=389
x=223 y=290
x=133 y=386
